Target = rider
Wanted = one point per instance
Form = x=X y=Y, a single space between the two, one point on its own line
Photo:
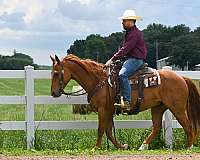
x=134 y=52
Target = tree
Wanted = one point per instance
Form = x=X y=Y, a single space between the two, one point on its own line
x=185 y=51
x=177 y=41
x=160 y=34
x=113 y=43
x=95 y=48
x=78 y=48
x=16 y=61
x=163 y=35
x=179 y=30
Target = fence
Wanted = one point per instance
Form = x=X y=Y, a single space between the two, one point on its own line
x=30 y=125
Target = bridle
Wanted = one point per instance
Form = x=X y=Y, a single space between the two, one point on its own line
x=77 y=93
x=61 y=86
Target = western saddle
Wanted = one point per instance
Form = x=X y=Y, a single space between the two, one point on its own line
x=144 y=77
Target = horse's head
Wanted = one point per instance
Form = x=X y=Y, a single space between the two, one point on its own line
x=60 y=77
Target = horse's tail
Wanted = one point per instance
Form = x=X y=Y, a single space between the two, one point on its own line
x=193 y=106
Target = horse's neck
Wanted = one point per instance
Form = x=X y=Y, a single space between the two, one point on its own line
x=86 y=79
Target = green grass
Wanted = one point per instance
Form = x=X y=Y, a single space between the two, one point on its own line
x=45 y=112
x=11 y=87
x=70 y=141
x=89 y=152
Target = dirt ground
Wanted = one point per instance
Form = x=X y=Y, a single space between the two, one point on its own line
x=106 y=157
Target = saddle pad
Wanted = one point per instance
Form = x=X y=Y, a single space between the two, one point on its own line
x=150 y=80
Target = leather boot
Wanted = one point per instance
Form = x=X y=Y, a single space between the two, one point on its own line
x=127 y=106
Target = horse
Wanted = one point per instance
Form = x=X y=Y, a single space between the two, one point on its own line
x=176 y=93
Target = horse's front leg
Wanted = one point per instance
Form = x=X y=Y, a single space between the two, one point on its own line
x=110 y=135
x=106 y=124
x=101 y=126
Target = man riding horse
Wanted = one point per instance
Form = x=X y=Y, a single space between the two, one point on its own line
x=133 y=52
x=185 y=105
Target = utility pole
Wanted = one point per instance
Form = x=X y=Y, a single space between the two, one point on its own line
x=97 y=52
x=156 y=54
x=187 y=66
x=14 y=51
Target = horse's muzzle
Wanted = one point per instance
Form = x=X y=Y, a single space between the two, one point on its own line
x=56 y=94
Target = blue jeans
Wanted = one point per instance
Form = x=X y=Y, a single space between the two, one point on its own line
x=128 y=69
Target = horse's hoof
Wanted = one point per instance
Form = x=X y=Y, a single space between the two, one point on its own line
x=144 y=147
x=189 y=148
x=124 y=147
x=95 y=149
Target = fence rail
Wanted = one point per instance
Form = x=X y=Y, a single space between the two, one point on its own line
x=68 y=125
x=29 y=100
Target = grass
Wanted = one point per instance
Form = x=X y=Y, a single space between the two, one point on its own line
x=88 y=152
x=71 y=142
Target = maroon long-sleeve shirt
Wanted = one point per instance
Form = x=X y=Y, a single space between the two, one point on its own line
x=133 y=45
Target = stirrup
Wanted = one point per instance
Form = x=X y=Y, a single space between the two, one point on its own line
x=135 y=111
x=121 y=110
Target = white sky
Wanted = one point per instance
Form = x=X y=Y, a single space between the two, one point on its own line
x=43 y=27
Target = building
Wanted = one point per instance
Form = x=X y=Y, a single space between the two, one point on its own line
x=164 y=62
x=197 y=67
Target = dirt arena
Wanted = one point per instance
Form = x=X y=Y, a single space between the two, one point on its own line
x=106 y=157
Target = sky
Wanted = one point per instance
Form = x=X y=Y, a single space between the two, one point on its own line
x=41 y=28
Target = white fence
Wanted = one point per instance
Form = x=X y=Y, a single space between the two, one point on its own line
x=30 y=125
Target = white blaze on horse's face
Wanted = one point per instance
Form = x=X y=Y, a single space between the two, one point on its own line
x=56 y=80
x=61 y=75
x=56 y=77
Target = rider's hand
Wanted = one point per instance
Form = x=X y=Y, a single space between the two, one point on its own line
x=109 y=62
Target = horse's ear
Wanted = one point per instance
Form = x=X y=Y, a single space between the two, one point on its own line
x=57 y=59
x=53 y=60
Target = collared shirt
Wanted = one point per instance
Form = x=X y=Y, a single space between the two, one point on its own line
x=133 y=45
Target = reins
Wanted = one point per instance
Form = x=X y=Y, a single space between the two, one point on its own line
x=61 y=82
x=74 y=93
x=113 y=124
x=91 y=94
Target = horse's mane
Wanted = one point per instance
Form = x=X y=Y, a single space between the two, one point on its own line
x=88 y=65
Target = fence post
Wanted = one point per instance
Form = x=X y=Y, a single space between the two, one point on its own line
x=29 y=113
x=167 y=117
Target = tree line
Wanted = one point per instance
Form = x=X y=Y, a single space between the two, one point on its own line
x=179 y=43
x=16 y=62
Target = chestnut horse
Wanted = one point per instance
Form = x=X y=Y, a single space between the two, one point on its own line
x=176 y=93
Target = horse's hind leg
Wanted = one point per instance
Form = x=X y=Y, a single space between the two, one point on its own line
x=182 y=118
x=157 y=113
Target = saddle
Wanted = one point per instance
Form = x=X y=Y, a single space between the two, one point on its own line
x=144 y=77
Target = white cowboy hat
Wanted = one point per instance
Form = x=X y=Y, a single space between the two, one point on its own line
x=130 y=14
